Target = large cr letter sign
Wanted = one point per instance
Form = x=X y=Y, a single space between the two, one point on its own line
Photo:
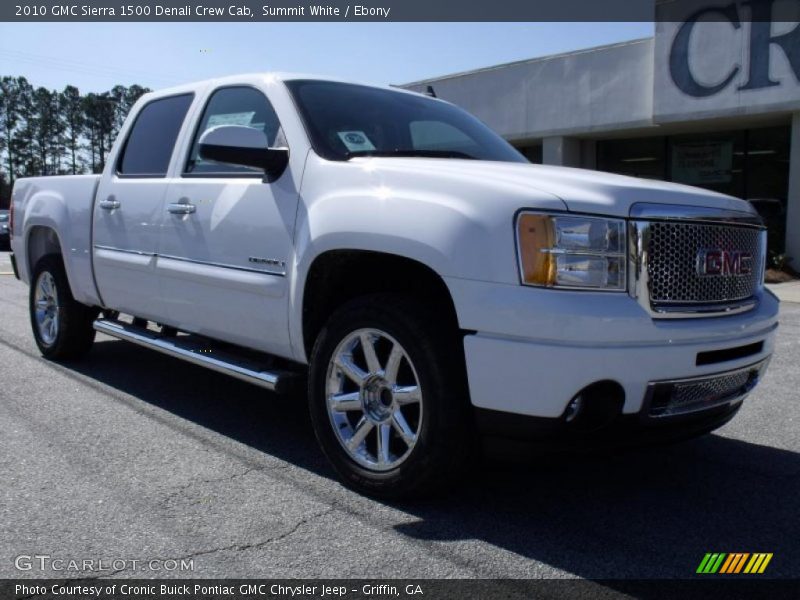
x=761 y=39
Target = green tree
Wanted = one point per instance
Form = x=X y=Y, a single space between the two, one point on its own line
x=12 y=93
x=72 y=111
x=99 y=125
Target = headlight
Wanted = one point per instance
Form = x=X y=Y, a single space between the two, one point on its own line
x=566 y=251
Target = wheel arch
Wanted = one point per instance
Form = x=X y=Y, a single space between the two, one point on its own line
x=337 y=276
x=41 y=241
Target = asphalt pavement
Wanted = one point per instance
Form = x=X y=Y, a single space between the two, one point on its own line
x=130 y=454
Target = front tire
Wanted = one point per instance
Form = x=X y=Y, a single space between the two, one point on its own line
x=388 y=397
x=62 y=327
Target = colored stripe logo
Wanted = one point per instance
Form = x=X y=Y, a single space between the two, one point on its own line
x=733 y=563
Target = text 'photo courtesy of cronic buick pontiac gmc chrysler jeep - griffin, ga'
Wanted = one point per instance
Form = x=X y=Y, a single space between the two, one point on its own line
x=392 y=254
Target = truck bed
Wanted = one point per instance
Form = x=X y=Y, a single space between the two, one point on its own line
x=63 y=203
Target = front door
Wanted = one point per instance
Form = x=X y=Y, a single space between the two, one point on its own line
x=128 y=211
x=228 y=236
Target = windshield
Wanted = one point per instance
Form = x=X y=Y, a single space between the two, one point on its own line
x=345 y=120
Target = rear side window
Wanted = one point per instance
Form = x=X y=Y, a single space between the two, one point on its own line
x=244 y=106
x=150 y=143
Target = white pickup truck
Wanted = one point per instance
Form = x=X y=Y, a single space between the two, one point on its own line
x=427 y=282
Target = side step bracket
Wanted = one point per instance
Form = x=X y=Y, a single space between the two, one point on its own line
x=193 y=349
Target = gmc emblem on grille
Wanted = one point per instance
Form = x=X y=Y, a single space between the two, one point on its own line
x=724 y=262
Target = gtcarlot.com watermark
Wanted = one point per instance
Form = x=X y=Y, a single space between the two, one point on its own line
x=54 y=564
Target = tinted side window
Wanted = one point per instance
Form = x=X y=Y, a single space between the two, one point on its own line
x=243 y=106
x=149 y=145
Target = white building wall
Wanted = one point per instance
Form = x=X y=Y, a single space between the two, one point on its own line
x=600 y=89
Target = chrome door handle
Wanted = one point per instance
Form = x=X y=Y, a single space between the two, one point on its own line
x=110 y=203
x=181 y=208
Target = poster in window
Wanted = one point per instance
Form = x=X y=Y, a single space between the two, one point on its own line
x=697 y=163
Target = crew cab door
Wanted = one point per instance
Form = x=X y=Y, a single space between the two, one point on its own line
x=128 y=209
x=227 y=236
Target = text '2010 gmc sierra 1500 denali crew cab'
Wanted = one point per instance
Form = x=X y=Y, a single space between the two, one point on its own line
x=426 y=281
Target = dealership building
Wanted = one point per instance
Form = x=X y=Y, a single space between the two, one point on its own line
x=711 y=101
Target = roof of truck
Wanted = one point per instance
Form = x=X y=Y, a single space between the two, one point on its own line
x=265 y=76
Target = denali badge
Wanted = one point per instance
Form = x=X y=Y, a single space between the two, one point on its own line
x=724 y=262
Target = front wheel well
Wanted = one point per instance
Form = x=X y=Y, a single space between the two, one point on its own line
x=338 y=276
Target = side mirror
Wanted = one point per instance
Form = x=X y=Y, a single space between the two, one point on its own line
x=244 y=147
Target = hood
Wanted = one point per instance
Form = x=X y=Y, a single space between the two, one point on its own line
x=581 y=190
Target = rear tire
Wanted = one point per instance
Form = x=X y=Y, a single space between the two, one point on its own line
x=398 y=424
x=62 y=327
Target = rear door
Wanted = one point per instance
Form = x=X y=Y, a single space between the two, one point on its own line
x=228 y=235
x=129 y=213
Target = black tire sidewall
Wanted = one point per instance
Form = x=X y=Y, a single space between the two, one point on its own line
x=74 y=335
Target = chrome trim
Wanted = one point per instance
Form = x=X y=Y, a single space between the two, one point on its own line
x=638 y=283
x=564 y=251
x=699 y=214
x=124 y=250
x=222 y=265
x=181 y=208
x=193 y=261
x=759 y=366
x=142 y=337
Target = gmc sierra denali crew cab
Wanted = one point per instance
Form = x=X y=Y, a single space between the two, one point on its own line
x=425 y=280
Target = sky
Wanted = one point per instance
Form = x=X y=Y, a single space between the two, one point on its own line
x=96 y=56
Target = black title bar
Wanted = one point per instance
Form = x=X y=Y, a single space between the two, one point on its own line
x=392 y=10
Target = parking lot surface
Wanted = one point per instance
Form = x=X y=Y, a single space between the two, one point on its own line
x=130 y=454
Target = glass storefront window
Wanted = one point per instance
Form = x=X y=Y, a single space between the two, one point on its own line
x=752 y=164
x=640 y=157
x=532 y=153
x=711 y=161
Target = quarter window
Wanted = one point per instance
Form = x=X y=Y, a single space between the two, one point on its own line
x=150 y=143
x=243 y=106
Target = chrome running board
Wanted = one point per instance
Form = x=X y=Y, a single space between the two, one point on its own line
x=193 y=350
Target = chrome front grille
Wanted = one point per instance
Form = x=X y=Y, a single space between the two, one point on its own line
x=672 y=268
x=672 y=398
x=689 y=261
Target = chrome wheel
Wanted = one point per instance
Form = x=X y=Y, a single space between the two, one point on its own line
x=374 y=399
x=46 y=308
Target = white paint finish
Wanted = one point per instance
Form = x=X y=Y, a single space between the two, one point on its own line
x=62 y=204
x=135 y=226
x=608 y=319
x=529 y=378
x=793 y=197
x=237 y=136
x=234 y=219
x=454 y=216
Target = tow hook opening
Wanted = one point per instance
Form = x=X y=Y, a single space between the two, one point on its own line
x=595 y=407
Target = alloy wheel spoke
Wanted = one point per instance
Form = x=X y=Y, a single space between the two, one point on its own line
x=368 y=346
x=393 y=364
x=362 y=430
x=406 y=394
x=403 y=430
x=346 y=365
x=384 y=432
x=346 y=402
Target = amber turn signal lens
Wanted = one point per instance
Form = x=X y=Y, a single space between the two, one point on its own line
x=536 y=233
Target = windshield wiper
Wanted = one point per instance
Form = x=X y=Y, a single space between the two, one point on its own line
x=401 y=153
